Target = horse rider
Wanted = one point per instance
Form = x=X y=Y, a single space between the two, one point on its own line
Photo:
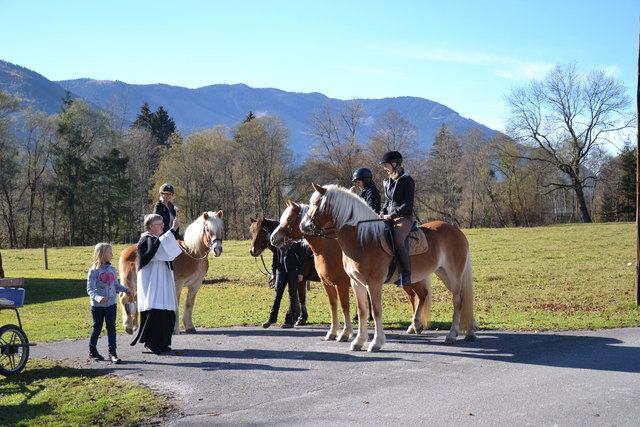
x=164 y=207
x=399 y=190
x=366 y=188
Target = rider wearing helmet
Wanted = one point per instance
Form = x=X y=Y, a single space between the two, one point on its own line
x=164 y=207
x=399 y=190
x=366 y=188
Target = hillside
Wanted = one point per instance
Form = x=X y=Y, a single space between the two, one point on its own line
x=205 y=107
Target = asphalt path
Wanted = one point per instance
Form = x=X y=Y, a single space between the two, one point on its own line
x=253 y=376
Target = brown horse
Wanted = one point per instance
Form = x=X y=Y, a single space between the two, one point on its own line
x=329 y=264
x=202 y=236
x=359 y=234
x=260 y=230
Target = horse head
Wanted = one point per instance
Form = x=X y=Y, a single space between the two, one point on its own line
x=259 y=236
x=318 y=217
x=213 y=231
x=289 y=227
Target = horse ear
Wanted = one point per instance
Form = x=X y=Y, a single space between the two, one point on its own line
x=219 y=214
x=205 y=215
x=252 y=220
x=294 y=205
x=320 y=189
x=289 y=202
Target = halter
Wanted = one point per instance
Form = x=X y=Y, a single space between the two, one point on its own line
x=316 y=231
x=210 y=243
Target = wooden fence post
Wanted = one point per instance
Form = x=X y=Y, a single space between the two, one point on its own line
x=46 y=260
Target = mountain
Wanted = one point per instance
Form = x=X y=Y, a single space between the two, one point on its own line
x=223 y=104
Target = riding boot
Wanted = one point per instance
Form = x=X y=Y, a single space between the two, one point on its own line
x=113 y=356
x=93 y=353
x=402 y=254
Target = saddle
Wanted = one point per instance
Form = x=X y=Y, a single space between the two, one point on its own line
x=418 y=244
x=417 y=238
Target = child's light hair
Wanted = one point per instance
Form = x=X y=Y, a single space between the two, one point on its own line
x=98 y=254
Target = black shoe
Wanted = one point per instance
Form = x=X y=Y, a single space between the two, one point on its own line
x=267 y=324
x=286 y=326
x=154 y=349
x=404 y=280
x=165 y=348
x=113 y=356
x=300 y=322
x=93 y=353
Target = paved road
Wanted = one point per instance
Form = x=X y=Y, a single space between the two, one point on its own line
x=252 y=376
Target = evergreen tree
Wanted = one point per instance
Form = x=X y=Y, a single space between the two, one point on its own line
x=250 y=116
x=627 y=183
x=144 y=119
x=162 y=126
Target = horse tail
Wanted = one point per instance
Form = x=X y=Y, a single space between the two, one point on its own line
x=467 y=322
x=127 y=265
x=425 y=313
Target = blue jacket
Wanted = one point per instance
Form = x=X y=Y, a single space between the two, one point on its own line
x=103 y=282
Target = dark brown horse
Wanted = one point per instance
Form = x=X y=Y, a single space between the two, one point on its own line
x=261 y=230
x=359 y=232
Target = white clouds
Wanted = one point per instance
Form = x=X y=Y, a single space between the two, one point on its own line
x=515 y=70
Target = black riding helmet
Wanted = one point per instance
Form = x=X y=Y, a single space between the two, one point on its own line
x=391 y=157
x=362 y=173
x=166 y=188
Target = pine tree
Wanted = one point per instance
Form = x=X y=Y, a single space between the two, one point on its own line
x=144 y=119
x=162 y=126
x=627 y=183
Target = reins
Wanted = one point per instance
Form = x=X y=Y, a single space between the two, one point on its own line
x=210 y=244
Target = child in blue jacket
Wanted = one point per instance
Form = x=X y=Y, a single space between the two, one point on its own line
x=102 y=285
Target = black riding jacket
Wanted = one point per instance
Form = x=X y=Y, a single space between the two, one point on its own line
x=371 y=195
x=166 y=213
x=400 y=194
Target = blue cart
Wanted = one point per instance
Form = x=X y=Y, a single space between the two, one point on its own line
x=14 y=345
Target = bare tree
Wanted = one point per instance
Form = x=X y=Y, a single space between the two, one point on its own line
x=337 y=138
x=568 y=115
x=392 y=132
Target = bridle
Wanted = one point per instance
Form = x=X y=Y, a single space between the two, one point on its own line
x=210 y=242
x=326 y=232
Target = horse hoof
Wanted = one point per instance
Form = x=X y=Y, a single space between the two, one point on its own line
x=411 y=330
x=190 y=331
x=470 y=337
x=419 y=330
x=342 y=338
x=374 y=348
x=450 y=340
x=356 y=347
x=330 y=337
x=129 y=331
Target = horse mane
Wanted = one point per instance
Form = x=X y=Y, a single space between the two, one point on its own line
x=349 y=209
x=193 y=233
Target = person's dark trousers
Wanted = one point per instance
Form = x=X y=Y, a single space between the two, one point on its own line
x=282 y=280
x=279 y=287
x=157 y=327
x=100 y=316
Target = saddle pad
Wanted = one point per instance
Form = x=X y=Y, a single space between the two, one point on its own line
x=418 y=243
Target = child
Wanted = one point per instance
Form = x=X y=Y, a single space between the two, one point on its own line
x=102 y=284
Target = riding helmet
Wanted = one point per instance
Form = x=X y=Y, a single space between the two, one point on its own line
x=362 y=173
x=391 y=157
x=166 y=188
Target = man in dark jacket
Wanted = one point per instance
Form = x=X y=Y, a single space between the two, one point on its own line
x=288 y=269
x=399 y=190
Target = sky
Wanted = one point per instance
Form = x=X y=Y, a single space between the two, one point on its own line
x=468 y=55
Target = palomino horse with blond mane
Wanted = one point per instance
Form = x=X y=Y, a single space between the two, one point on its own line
x=260 y=230
x=328 y=260
x=202 y=236
x=360 y=235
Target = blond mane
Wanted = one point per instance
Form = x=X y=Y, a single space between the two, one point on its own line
x=349 y=209
x=193 y=233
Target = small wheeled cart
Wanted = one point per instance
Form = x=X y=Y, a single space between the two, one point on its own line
x=14 y=345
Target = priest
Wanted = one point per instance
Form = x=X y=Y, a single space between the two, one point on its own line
x=156 y=285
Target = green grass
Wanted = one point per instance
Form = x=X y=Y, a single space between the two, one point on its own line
x=46 y=394
x=559 y=278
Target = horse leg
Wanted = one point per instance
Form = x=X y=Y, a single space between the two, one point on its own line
x=361 y=299
x=421 y=305
x=412 y=297
x=375 y=292
x=128 y=278
x=176 y=327
x=302 y=297
x=187 y=317
x=343 y=294
x=333 y=309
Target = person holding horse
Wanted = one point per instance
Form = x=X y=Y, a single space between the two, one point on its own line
x=156 y=284
x=288 y=269
x=164 y=207
x=399 y=190
x=366 y=188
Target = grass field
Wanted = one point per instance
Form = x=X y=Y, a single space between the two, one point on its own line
x=560 y=277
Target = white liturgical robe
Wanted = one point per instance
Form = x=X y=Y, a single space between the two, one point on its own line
x=156 y=284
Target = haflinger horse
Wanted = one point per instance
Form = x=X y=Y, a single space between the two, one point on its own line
x=360 y=234
x=329 y=264
x=202 y=236
x=260 y=230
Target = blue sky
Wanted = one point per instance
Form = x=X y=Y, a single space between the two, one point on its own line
x=464 y=54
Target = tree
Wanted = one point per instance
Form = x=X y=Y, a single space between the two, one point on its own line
x=392 y=132
x=568 y=115
x=144 y=119
x=627 y=182
x=9 y=169
x=159 y=124
x=337 y=138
